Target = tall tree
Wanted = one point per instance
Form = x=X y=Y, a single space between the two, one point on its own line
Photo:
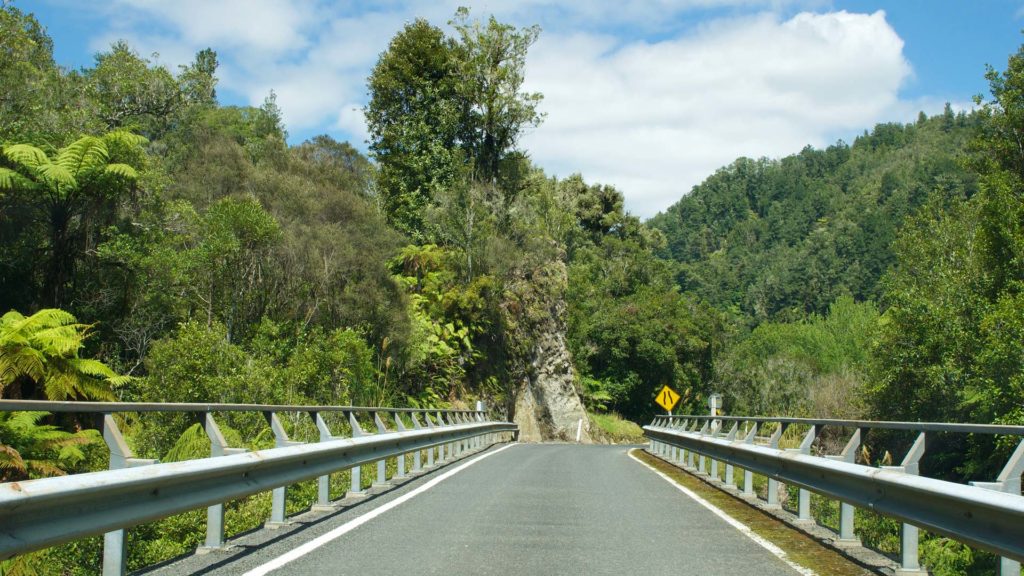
x=414 y=118
x=444 y=109
x=491 y=63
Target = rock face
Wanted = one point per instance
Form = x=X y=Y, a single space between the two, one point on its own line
x=547 y=405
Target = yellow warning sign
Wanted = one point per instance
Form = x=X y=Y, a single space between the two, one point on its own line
x=667 y=398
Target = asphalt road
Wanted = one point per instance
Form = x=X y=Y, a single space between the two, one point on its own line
x=529 y=509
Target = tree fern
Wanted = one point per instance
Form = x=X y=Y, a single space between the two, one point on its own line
x=44 y=349
x=58 y=185
x=125 y=139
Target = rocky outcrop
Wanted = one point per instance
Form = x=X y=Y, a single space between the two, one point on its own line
x=546 y=404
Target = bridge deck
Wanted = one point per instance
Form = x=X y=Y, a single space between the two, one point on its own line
x=529 y=509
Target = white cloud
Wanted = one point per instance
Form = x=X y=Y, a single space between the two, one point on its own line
x=652 y=117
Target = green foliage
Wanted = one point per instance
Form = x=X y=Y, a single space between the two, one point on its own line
x=445 y=112
x=31 y=449
x=447 y=316
x=37 y=101
x=39 y=357
x=63 y=193
x=413 y=117
x=628 y=325
x=490 y=62
x=128 y=92
x=776 y=240
x=950 y=347
x=614 y=428
x=816 y=367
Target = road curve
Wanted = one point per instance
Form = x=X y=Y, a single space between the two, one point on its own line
x=530 y=509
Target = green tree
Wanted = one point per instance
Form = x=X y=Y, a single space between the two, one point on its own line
x=443 y=110
x=491 y=62
x=949 y=348
x=65 y=190
x=414 y=117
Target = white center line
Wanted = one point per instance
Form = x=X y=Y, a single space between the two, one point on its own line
x=347 y=527
x=743 y=528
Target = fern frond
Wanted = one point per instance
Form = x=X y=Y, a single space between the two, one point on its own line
x=44 y=317
x=44 y=468
x=91 y=367
x=24 y=422
x=26 y=155
x=193 y=443
x=11 y=180
x=58 y=386
x=122 y=170
x=124 y=138
x=83 y=155
x=16 y=361
x=57 y=174
x=120 y=380
x=11 y=317
x=59 y=340
x=92 y=389
x=10 y=459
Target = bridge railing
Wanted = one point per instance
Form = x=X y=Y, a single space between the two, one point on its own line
x=39 y=513
x=986 y=515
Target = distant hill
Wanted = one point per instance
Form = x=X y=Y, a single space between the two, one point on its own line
x=778 y=239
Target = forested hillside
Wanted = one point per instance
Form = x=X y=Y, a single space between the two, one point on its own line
x=780 y=239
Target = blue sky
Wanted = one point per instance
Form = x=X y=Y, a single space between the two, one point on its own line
x=648 y=95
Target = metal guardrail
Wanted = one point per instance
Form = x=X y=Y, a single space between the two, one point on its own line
x=39 y=513
x=987 y=515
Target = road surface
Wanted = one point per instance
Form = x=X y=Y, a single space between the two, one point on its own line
x=530 y=509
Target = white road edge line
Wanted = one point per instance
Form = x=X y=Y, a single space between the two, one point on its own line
x=743 y=528
x=347 y=527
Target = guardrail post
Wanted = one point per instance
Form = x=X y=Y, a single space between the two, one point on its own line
x=910 y=564
x=430 y=451
x=356 y=488
x=400 y=426
x=804 y=499
x=748 y=476
x=416 y=459
x=700 y=457
x=382 y=476
x=681 y=459
x=441 y=449
x=323 y=483
x=277 y=499
x=215 y=514
x=115 y=554
x=773 y=484
x=1008 y=481
x=731 y=437
x=847 y=536
x=679 y=453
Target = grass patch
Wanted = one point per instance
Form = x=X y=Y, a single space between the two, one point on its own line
x=613 y=428
x=800 y=547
